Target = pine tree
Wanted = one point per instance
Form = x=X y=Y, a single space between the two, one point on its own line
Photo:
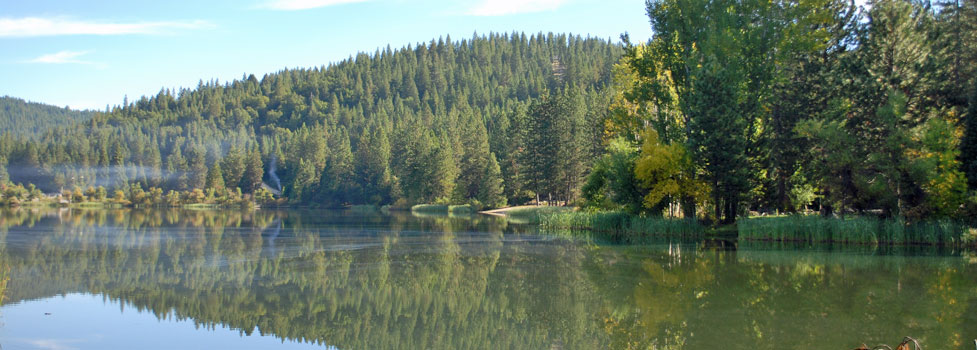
x=253 y=171
x=215 y=178
x=372 y=166
x=198 y=169
x=491 y=189
x=233 y=166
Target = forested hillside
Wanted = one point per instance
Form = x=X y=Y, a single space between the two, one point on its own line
x=443 y=121
x=24 y=118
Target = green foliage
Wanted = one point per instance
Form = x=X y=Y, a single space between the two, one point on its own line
x=620 y=226
x=429 y=208
x=938 y=165
x=462 y=209
x=533 y=214
x=612 y=183
x=4 y=279
x=852 y=230
x=554 y=146
x=968 y=144
x=491 y=190
x=785 y=105
x=30 y=119
x=215 y=177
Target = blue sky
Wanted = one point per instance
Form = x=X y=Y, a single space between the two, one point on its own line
x=89 y=54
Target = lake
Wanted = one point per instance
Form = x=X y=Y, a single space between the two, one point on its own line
x=184 y=279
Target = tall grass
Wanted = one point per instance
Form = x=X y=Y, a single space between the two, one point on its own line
x=620 y=226
x=430 y=208
x=852 y=230
x=461 y=209
x=532 y=215
x=465 y=209
x=4 y=278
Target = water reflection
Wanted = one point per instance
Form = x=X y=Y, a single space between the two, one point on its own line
x=371 y=280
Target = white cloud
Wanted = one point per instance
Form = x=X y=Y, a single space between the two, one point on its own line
x=37 y=26
x=292 y=5
x=61 y=57
x=66 y=57
x=509 y=7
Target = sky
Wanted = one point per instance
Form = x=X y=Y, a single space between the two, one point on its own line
x=90 y=54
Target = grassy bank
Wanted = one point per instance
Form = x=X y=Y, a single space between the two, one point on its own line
x=854 y=230
x=616 y=226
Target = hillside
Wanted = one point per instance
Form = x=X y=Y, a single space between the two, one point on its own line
x=432 y=121
x=24 y=118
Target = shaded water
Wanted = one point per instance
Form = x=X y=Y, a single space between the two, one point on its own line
x=103 y=279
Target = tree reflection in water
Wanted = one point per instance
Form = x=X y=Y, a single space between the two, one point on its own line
x=356 y=280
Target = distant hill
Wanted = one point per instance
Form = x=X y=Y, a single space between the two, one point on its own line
x=24 y=118
x=443 y=120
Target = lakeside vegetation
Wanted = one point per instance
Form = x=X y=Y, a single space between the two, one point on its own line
x=98 y=197
x=4 y=279
x=620 y=226
x=623 y=227
x=856 y=230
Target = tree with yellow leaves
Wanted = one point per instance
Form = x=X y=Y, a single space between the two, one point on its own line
x=666 y=170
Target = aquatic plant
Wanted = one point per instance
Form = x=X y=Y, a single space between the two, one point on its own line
x=461 y=209
x=532 y=214
x=4 y=278
x=620 y=226
x=429 y=208
x=853 y=230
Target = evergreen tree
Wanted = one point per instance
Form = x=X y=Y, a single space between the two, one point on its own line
x=372 y=166
x=215 y=178
x=253 y=171
x=197 y=177
x=491 y=189
x=232 y=166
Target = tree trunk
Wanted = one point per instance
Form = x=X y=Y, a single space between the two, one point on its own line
x=731 y=204
x=718 y=198
x=688 y=207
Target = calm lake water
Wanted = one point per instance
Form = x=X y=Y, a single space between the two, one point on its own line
x=174 y=279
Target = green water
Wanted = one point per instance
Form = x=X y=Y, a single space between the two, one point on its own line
x=165 y=279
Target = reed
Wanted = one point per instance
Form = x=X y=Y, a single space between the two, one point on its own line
x=430 y=208
x=461 y=209
x=852 y=230
x=4 y=278
x=532 y=215
x=619 y=226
